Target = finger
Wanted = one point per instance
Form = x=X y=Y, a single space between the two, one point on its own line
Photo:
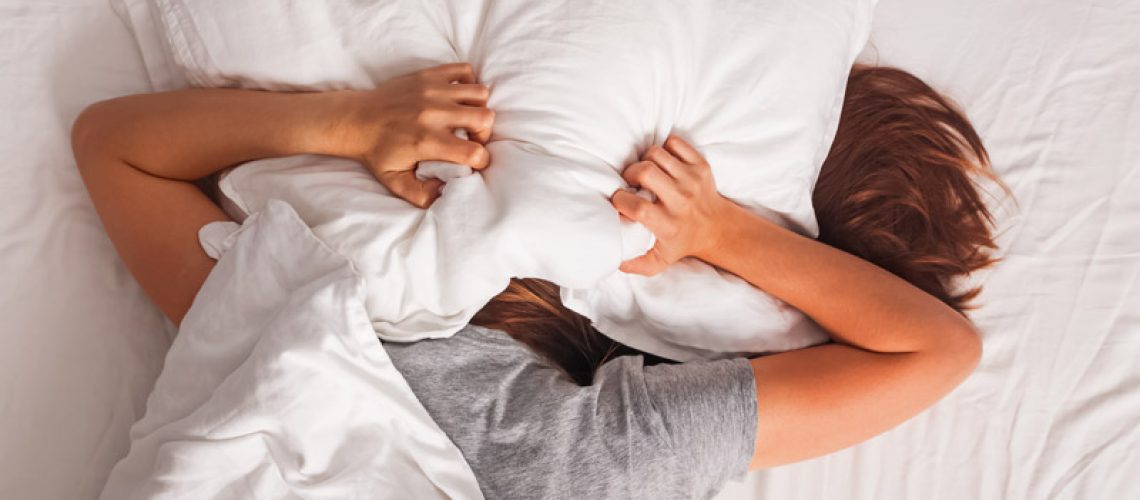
x=447 y=73
x=681 y=149
x=447 y=147
x=648 y=175
x=477 y=121
x=469 y=94
x=664 y=159
x=646 y=265
x=636 y=208
x=404 y=184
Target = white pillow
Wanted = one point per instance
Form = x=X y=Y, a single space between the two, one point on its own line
x=580 y=89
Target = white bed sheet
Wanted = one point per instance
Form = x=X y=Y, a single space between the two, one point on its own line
x=80 y=346
x=1053 y=411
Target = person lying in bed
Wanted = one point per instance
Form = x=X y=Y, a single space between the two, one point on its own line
x=560 y=414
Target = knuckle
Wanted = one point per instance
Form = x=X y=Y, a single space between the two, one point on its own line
x=654 y=151
x=636 y=172
x=630 y=173
x=640 y=209
x=644 y=169
x=475 y=154
x=486 y=117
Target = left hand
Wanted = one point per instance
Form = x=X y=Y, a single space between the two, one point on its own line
x=413 y=118
x=688 y=213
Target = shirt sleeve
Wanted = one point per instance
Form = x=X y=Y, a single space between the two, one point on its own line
x=707 y=413
x=689 y=427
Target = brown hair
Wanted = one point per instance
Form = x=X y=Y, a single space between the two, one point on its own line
x=898 y=186
x=531 y=311
x=897 y=189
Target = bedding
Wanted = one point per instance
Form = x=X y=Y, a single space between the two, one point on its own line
x=579 y=92
x=276 y=384
x=80 y=345
x=1053 y=87
x=1053 y=410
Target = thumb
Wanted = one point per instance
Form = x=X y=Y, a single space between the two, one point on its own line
x=406 y=185
x=646 y=265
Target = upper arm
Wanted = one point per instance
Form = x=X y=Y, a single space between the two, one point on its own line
x=825 y=398
x=153 y=222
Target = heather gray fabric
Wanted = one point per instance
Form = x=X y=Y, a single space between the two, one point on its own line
x=528 y=431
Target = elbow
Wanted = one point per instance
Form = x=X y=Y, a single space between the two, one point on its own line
x=89 y=134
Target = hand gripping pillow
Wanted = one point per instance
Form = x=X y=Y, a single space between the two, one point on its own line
x=580 y=89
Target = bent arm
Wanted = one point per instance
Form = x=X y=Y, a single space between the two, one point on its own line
x=139 y=155
x=898 y=350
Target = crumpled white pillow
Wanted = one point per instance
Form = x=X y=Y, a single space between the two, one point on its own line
x=580 y=89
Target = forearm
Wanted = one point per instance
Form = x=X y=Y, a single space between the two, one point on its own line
x=190 y=134
x=857 y=302
x=898 y=349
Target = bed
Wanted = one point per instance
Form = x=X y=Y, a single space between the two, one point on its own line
x=1052 y=412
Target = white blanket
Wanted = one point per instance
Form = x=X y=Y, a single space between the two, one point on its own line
x=276 y=387
x=580 y=90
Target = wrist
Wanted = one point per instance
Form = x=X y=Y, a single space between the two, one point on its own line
x=734 y=231
x=329 y=126
x=723 y=228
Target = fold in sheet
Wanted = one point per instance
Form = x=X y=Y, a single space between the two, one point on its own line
x=276 y=384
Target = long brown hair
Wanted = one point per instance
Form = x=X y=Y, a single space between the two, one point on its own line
x=898 y=189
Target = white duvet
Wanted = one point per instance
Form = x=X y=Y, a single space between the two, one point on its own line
x=276 y=387
x=580 y=90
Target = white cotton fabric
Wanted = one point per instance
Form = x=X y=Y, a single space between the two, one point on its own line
x=580 y=89
x=276 y=387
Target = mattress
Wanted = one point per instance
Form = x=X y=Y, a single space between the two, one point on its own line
x=1052 y=412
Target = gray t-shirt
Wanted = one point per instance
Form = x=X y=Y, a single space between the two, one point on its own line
x=528 y=431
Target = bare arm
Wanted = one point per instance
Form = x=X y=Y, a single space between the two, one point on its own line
x=897 y=351
x=139 y=156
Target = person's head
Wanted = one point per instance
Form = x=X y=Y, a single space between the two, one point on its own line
x=898 y=189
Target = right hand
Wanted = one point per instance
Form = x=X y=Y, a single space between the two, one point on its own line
x=688 y=215
x=413 y=118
